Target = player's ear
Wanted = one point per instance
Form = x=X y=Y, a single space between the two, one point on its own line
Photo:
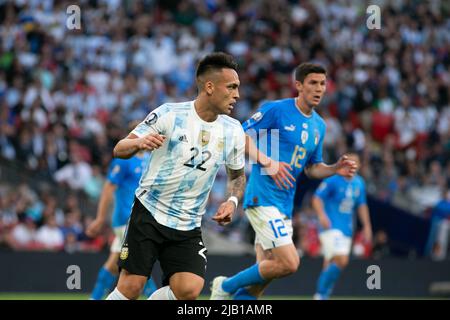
x=209 y=87
x=298 y=86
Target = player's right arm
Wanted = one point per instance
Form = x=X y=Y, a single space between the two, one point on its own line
x=132 y=144
x=261 y=121
x=106 y=199
x=147 y=136
x=317 y=205
x=278 y=171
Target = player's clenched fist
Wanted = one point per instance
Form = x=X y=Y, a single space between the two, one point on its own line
x=151 y=141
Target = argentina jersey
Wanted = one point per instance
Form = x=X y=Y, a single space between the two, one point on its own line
x=341 y=197
x=178 y=179
x=125 y=174
x=285 y=134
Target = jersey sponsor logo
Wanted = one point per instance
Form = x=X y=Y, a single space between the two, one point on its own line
x=151 y=119
x=290 y=128
x=304 y=136
x=204 y=137
x=257 y=116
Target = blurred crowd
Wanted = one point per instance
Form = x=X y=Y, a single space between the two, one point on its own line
x=66 y=96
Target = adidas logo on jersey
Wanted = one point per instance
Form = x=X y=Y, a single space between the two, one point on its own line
x=183 y=138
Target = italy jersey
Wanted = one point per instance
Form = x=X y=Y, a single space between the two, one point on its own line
x=285 y=134
x=176 y=184
x=125 y=174
x=340 y=197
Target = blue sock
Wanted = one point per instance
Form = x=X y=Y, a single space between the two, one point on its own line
x=327 y=279
x=243 y=294
x=244 y=278
x=150 y=287
x=104 y=284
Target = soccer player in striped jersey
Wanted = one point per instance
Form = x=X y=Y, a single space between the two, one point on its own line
x=283 y=138
x=335 y=202
x=189 y=141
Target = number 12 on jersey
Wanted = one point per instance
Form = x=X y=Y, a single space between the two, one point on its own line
x=298 y=155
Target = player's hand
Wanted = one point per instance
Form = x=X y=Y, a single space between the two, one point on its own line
x=345 y=167
x=279 y=172
x=225 y=213
x=324 y=221
x=151 y=141
x=94 y=228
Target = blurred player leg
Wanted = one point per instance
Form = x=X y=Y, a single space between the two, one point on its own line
x=106 y=278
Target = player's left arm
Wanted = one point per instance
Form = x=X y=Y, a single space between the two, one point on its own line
x=235 y=188
x=343 y=167
x=363 y=213
x=235 y=164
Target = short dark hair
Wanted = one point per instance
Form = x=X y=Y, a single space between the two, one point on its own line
x=215 y=61
x=302 y=71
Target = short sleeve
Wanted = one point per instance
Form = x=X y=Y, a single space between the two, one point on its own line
x=117 y=171
x=157 y=121
x=324 y=189
x=236 y=158
x=264 y=118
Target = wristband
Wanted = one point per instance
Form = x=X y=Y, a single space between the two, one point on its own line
x=234 y=199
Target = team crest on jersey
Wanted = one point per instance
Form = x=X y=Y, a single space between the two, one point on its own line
x=304 y=136
x=124 y=253
x=316 y=137
x=220 y=144
x=305 y=126
x=204 y=137
x=151 y=119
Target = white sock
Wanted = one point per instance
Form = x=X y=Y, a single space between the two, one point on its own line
x=164 y=293
x=116 y=295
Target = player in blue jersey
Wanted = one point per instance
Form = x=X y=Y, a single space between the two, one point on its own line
x=283 y=138
x=335 y=201
x=122 y=180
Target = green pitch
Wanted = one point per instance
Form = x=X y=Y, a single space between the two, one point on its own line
x=83 y=296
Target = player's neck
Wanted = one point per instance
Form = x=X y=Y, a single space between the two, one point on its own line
x=303 y=107
x=204 y=111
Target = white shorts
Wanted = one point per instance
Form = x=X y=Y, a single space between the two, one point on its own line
x=273 y=229
x=119 y=233
x=334 y=243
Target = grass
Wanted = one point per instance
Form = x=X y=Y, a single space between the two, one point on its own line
x=83 y=296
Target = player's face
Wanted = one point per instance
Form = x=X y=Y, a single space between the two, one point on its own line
x=225 y=91
x=312 y=89
x=355 y=158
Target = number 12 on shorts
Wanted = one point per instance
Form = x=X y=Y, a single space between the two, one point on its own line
x=278 y=228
